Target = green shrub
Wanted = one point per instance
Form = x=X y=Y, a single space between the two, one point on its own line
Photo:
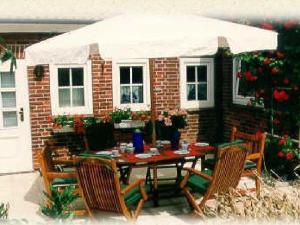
x=3 y=211
x=59 y=204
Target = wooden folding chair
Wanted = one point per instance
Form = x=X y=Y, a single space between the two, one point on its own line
x=255 y=146
x=53 y=177
x=101 y=189
x=228 y=169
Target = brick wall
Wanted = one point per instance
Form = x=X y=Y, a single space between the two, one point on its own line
x=244 y=118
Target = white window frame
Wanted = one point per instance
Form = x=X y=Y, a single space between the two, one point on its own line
x=196 y=104
x=88 y=96
x=236 y=98
x=116 y=84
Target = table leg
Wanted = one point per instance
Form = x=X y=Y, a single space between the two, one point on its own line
x=155 y=186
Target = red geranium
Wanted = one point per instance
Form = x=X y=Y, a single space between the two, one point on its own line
x=258 y=134
x=276 y=121
x=290 y=24
x=280 y=154
x=281 y=142
x=279 y=55
x=289 y=155
x=266 y=61
x=249 y=76
x=266 y=26
x=239 y=75
x=280 y=96
x=286 y=81
x=275 y=70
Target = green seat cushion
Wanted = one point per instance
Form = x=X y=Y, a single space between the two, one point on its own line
x=133 y=196
x=198 y=183
x=93 y=155
x=249 y=165
x=210 y=163
x=226 y=144
x=63 y=182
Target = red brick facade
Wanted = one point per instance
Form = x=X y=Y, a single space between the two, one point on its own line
x=210 y=124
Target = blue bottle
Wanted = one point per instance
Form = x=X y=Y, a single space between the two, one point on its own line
x=137 y=141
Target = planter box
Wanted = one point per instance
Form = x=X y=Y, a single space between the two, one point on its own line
x=127 y=124
x=63 y=130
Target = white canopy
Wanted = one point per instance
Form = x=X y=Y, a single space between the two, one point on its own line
x=150 y=36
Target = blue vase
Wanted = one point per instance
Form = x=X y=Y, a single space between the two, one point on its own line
x=137 y=141
x=175 y=137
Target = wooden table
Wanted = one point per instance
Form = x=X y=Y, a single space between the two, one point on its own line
x=130 y=161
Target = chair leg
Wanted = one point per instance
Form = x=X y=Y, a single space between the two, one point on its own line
x=138 y=209
x=191 y=199
x=257 y=185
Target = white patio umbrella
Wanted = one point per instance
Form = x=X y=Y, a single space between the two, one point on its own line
x=150 y=36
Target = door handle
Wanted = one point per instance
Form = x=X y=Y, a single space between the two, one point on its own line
x=21 y=113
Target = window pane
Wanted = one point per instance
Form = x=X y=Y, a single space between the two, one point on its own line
x=191 y=92
x=8 y=99
x=64 y=97
x=77 y=76
x=202 y=73
x=202 y=91
x=7 y=80
x=10 y=119
x=137 y=94
x=190 y=74
x=137 y=75
x=244 y=89
x=124 y=75
x=125 y=95
x=63 y=77
x=78 y=97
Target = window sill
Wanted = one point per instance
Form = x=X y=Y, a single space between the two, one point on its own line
x=246 y=107
x=193 y=110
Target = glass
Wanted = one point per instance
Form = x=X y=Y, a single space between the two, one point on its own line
x=124 y=75
x=137 y=75
x=77 y=76
x=137 y=94
x=7 y=80
x=125 y=95
x=10 y=119
x=64 y=97
x=63 y=77
x=191 y=92
x=202 y=91
x=78 y=97
x=202 y=73
x=8 y=99
x=190 y=74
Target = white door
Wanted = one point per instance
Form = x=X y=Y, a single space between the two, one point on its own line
x=15 y=136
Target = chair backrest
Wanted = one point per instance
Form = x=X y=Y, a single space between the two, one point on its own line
x=99 y=184
x=46 y=160
x=255 y=143
x=228 y=169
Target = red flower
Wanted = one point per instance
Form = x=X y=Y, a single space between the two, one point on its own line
x=50 y=119
x=279 y=55
x=286 y=81
x=239 y=75
x=266 y=26
x=266 y=61
x=289 y=155
x=280 y=96
x=290 y=24
x=249 y=76
x=280 y=154
x=281 y=142
x=275 y=70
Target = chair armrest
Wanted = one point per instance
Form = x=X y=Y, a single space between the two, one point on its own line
x=139 y=183
x=199 y=173
x=52 y=175
x=253 y=156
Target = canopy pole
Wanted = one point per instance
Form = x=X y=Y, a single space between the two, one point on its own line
x=153 y=105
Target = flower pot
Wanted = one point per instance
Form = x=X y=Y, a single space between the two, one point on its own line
x=175 y=137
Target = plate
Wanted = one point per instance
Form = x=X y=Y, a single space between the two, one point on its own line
x=181 y=152
x=201 y=144
x=143 y=156
x=104 y=153
x=165 y=142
